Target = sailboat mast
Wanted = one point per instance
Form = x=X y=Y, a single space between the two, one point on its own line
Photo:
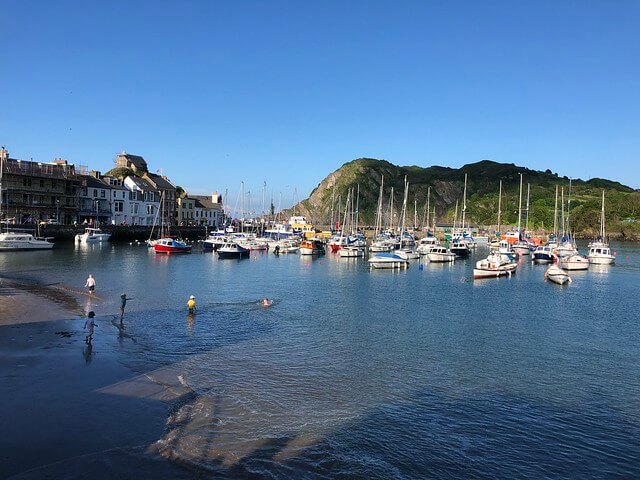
x=464 y=201
x=379 y=210
x=555 y=217
x=602 y=231
x=455 y=219
x=500 y=210
x=520 y=206
x=569 y=211
x=562 y=211
x=333 y=204
x=428 y=201
x=391 y=211
x=357 y=209
x=526 y=223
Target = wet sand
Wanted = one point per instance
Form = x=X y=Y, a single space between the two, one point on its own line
x=66 y=413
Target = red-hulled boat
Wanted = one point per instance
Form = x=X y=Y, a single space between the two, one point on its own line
x=171 y=245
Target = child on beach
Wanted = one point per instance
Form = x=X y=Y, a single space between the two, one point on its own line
x=90 y=284
x=89 y=326
x=123 y=304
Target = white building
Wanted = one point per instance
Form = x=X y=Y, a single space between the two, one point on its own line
x=120 y=206
x=144 y=201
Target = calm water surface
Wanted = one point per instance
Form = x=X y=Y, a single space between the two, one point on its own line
x=352 y=373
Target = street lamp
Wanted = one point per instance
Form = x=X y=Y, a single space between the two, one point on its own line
x=58 y=211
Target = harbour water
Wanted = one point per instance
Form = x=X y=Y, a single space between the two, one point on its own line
x=351 y=373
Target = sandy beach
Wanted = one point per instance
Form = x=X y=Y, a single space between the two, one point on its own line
x=53 y=390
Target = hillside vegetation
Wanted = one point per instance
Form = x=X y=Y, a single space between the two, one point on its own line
x=622 y=203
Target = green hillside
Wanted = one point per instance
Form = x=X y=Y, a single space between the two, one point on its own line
x=622 y=203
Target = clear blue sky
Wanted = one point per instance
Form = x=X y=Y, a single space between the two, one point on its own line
x=218 y=92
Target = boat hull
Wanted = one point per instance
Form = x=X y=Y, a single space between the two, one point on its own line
x=602 y=260
x=10 y=246
x=503 y=271
x=236 y=254
x=168 y=249
x=441 y=257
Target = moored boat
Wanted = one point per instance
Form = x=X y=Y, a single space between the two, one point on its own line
x=389 y=260
x=92 y=235
x=232 y=250
x=495 y=265
x=441 y=254
x=574 y=262
x=22 y=241
x=556 y=275
x=543 y=254
x=171 y=245
x=311 y=247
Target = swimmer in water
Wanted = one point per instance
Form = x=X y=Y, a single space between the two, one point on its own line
x=266 y=302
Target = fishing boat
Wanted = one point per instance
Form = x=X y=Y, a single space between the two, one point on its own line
x=426 y=244
x=232 y=249
x=285 y=246
x=389 y=260
x=92 y=235
x=543 y=254
x=23 y=241
x=441 y=254
x=495 y=265
x=460 y=248
x=311 y=247
x=574 y=262
x=600 y=254
x=171 y=245
x=599 y=251
x=556 y=275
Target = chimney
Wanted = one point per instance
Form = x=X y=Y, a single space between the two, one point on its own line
x=60 y=161
x=95 y=174
x=4 y=154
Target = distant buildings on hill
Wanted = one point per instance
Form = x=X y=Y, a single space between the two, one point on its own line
x=59 y=192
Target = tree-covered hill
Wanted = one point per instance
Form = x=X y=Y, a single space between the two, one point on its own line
x=622 y=203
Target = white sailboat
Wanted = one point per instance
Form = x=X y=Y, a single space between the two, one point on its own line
x=599 y=250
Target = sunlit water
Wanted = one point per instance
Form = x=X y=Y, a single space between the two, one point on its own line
x=377 y=374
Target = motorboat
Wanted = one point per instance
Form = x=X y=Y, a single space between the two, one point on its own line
x=574 y=262
x=389 y=260
x=460 y=248
x=351 y=251
x=600 y=254
x=543 y=254
x=233 y=250
x=23 y=241
x=426 y=244
x=556 y=275
x=92 y=235
x=311 y=247
x=521 y=247
x=495 y=265
x=171 y=245
x=410 y=253
x=441 y=254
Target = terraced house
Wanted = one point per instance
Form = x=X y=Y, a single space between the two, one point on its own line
x=34 y=191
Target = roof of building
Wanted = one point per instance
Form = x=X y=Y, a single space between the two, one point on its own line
x=143 y=184
x=89 y=181
x=160 y=182
x=206 y=202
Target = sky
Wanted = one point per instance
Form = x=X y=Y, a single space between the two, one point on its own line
x=216 y=93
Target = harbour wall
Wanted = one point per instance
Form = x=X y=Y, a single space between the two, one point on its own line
x=61 y=233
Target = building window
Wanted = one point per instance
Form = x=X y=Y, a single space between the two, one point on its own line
x=53 y=184
x=150 y=210
x=26 y=182
x=41 y=183
x=102 y=193
x=95 y=193
x=118 y=207
x=123 y=194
